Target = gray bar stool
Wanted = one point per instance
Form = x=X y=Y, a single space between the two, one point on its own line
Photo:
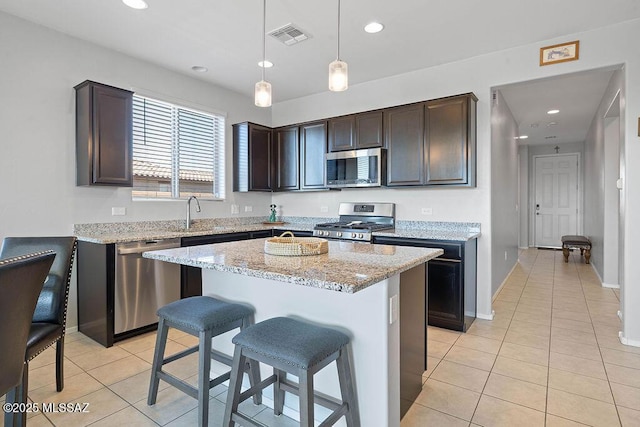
x=203 y=317
x=298 y=348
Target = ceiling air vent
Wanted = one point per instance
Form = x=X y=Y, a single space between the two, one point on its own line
x=288 y=34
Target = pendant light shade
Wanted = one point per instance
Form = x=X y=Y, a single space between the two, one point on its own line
x=262 y=94
x=338 y=70
x=338 y=76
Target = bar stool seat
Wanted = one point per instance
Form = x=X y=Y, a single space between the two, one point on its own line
x=301 y=349
x=203 y=317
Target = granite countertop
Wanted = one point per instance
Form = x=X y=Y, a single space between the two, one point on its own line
x=156 y=230
x=106 y=233
x=347 y=267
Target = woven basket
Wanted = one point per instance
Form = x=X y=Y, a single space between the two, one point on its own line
x=289 y=245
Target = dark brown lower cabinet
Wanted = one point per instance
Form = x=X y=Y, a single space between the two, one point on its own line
x=452 y=281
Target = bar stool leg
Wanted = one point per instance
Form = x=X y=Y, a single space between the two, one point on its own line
x=306 y=398
x=158 y=356
x=204 y=366
x=278 y=392
x=346 y=387
x=235 y=384
x=254 y=366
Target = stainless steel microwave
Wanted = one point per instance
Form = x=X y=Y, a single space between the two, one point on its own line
x=356 y=168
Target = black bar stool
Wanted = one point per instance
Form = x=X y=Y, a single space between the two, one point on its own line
x=298 y=348
x=203 y=317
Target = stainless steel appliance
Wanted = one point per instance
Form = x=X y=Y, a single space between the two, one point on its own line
x=356 y=168
x=143 y=285
x=358 y=221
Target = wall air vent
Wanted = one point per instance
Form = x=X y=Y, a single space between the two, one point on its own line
x=550 y=137
x=288 y=34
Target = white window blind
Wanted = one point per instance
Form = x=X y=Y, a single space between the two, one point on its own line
x=177 y=151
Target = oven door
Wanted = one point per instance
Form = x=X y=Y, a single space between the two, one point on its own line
x=357 y=168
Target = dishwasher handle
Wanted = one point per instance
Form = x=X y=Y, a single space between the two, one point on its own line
x=151 y=245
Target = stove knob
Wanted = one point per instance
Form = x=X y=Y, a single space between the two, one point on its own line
x=360 y=236
x=354 y=235
x=325 y=233
x=339 y=234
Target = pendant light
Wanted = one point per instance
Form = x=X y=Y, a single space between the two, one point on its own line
x=262 y=97
x=338 y=73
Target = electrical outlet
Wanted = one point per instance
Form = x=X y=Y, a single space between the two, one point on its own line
x=119 y=211
x=235 y=209
x=393 y=309
x=427 y=211
x=324 y=209
x=248 y=208
x=505 y=255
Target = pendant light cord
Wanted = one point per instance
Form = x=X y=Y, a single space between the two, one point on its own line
x=264 y=38
x=338 y=30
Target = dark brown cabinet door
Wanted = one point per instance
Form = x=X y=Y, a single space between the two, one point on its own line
x=369 y=130
x=287 y=158
x=103 y=135
x=342 y=133
x=252 y=157
x=404 y=139
x=313 y=145
x=450 y=141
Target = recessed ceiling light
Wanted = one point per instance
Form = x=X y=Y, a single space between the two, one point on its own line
x=373 y=27
x=523 y=137
x=267 y=64
x=553 y=111
x=136 y=4
x=199 y=69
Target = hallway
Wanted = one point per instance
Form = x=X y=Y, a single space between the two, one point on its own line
x=551 y=356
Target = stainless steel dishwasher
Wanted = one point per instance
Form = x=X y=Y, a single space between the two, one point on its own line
x=143 y=285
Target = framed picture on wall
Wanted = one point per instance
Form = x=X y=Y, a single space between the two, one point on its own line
x=564 y=52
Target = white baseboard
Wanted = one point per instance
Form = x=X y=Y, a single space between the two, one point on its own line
x=486 y=316
x=504 y=282
x=626 y=341
x=71 y=329
x=610 y=285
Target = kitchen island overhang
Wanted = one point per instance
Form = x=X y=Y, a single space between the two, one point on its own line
x=355 y=288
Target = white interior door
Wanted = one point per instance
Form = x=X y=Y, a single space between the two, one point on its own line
x=556 y=198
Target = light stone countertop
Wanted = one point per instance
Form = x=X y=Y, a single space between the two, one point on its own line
x=105 y=233
x=347 y=267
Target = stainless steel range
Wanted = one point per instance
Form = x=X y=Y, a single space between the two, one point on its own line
x=358 y=221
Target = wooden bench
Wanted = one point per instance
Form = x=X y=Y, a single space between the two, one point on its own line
x=576 y=242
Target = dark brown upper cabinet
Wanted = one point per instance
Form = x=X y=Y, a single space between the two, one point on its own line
x=450 y=141
x=253 y=166
x=287 y=157
x=432 y=143
x=342 y=133
x=404 y=135
x=369 y=130
x=313 y=146
x=104 y=136
x=362 y=130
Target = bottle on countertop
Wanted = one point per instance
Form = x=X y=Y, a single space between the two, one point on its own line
x=272 y=217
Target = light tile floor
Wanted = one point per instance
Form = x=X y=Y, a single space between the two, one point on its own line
x=550 y=357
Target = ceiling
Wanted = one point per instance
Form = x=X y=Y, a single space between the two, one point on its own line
x=576 y=95
x=226 y=37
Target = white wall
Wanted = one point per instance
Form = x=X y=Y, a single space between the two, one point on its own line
x=504 y=191
x=601 y=171
x=40 y=67
x=599 y=48
x=523 y=195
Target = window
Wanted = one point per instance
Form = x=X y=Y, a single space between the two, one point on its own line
x=177 y=151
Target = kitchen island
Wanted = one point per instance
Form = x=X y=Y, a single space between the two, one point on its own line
x=370 y=292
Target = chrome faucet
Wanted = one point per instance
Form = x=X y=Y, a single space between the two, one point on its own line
x=189 y=209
